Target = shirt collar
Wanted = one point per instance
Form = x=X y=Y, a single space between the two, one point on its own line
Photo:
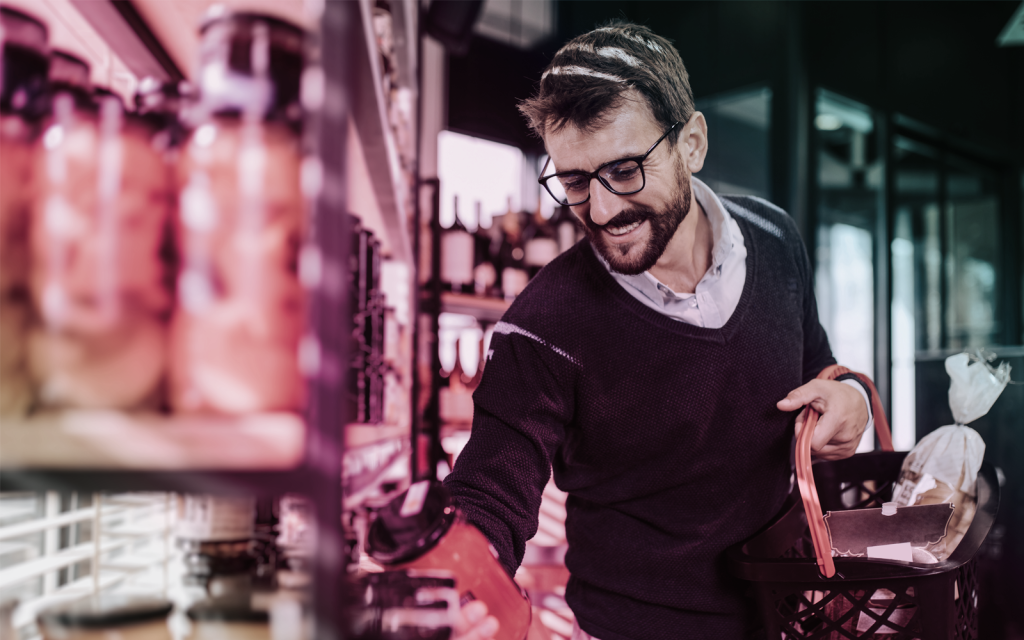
x=721 y=231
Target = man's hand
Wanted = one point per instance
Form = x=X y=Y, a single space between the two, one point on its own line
x=473 y=622
x=843 y=416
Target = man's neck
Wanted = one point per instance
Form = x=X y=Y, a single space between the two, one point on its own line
x=688 y=254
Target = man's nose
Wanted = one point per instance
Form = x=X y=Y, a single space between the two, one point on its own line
x=604 y=205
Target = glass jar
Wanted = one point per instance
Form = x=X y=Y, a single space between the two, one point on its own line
x=241 y=307
x=422 y=531
x=108 y=617
x=215 y=534
x=98 y=281
x=23 y=40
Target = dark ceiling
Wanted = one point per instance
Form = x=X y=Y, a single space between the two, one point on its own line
x=936 y=62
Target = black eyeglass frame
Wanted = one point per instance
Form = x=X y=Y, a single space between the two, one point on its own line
x=543 y=179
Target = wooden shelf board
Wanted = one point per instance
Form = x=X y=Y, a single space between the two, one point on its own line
x=117 y=441
x=486 y=309
x=361 y=435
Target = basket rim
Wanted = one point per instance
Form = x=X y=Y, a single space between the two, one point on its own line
x=753 y=568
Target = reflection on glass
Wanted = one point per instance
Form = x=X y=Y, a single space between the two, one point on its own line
x=945 y=258
x=738 y=130
x=972 y=219
x=849 y=180
x=902 y=413
x=916 y=312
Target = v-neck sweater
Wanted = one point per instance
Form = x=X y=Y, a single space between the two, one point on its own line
x=665 y=435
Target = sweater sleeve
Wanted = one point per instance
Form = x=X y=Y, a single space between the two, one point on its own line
x=521 y=410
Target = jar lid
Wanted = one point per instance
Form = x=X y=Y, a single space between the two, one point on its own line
x=100 y=94
x=107 y=610
x=411 y=524
x=250 y=65
x=226 y=610
x=68 y=69
x=25 y=63
x=70 y=74
x=23 y=30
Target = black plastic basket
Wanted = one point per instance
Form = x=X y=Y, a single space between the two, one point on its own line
x=796 y=602
x=803 y=593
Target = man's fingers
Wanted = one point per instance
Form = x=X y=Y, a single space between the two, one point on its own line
x=472 y=613
x=823 y=433
x=481 y=631
x=474 y=623
x=808 y=394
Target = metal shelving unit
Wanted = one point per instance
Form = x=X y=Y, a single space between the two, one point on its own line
x=263 y=455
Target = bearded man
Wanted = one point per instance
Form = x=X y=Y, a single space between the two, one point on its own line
x=656 y=367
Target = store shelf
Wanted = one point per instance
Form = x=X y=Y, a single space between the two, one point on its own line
x=116 y=441
x=376 y=463
x=361 y=435
x=483 y=309
x=369 y=110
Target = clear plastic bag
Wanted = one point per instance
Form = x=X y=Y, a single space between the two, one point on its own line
x=943 y=467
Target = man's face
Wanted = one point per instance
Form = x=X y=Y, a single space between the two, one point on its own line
x=630 y=232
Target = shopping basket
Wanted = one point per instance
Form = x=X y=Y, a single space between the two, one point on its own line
x=803 y=593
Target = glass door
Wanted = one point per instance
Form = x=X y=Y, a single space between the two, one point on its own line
x=946 y=260
x=849 y=180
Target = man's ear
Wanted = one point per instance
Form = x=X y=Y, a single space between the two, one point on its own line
x=693 y=142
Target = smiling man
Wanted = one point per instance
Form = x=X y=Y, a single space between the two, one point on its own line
x=656 y=366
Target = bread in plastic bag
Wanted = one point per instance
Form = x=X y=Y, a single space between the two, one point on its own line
x=943 y=467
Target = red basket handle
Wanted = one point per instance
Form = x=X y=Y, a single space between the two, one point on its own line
x=805 y=477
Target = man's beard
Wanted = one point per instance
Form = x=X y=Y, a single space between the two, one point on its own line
x=663 y=226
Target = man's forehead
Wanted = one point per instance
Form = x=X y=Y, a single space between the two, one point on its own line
x=622 y=129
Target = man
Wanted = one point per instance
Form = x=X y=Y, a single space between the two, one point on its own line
x=646 y=364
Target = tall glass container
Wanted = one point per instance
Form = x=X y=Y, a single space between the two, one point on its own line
x=241 y=307
x=23 y=47
x=98 y=221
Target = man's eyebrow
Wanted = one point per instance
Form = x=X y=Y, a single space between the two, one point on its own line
x=603 y=164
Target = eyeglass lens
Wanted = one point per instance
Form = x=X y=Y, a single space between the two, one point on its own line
x=622 y=178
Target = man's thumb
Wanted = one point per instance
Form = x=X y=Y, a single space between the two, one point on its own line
x=796 y=399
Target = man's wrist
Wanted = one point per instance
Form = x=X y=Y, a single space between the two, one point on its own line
x=858 y=384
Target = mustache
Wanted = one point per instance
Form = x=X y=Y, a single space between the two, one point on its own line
x=624 y=218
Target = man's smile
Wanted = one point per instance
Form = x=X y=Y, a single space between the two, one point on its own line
x=619 y=232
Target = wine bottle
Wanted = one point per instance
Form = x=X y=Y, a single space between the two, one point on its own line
x=457 y=256
x=485 y=274
x=539 y=244
x=513 y=272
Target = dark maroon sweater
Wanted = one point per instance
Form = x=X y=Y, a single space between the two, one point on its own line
x=665 y=435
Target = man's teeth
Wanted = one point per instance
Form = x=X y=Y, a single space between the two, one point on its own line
x=623 y=230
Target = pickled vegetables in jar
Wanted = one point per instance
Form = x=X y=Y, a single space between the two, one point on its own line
x=98 y=220
x=240 y=306
x=23 y=49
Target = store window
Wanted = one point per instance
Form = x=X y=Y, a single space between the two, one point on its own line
x=947 y=226
x=916 y=277
x=973 y=255
x=477 y=175
x=849 y=181
x=739 y=124
x=946 y=252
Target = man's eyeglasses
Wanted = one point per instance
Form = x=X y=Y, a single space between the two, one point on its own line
x=622 y=177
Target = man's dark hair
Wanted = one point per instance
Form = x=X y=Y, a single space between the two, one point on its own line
x=589 y=77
